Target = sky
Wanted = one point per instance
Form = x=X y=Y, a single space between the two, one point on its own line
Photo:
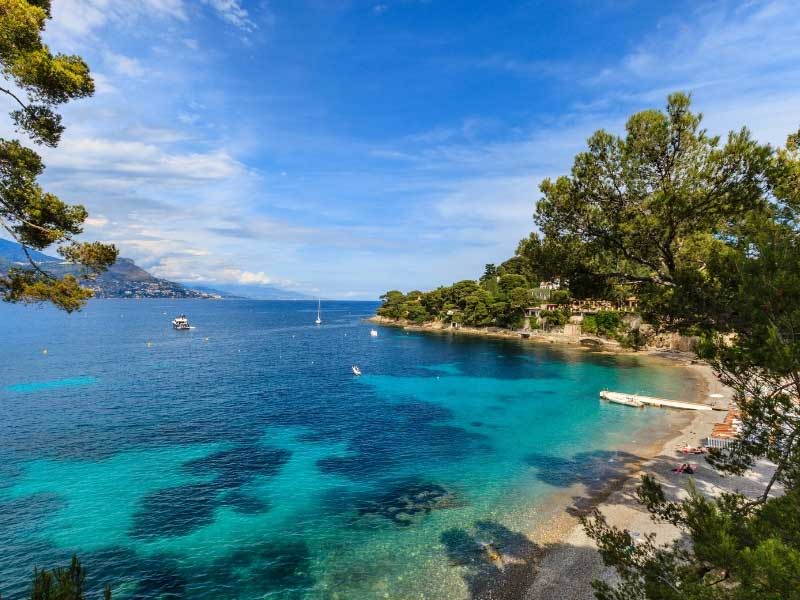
x=343 y=148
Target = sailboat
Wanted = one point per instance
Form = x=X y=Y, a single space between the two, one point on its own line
x=319 y=319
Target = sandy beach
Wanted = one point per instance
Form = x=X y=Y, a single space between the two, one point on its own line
x=570 y=561
x=567 y=560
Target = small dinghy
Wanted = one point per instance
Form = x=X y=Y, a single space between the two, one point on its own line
x=356 y=370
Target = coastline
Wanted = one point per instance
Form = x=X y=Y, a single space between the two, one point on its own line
x=567 y=561
x=538 y=337
x=570 y=560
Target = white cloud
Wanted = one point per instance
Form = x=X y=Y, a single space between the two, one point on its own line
x=735 y=61
x=96 y=221
x=102 y=84
x=137 y=159
x=233 y=12
x=188 y=118
x=125 y=65
x=74 y=21
x=247 y=277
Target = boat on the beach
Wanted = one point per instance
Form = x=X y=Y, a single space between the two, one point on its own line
x=180 y=322
x=356 y=370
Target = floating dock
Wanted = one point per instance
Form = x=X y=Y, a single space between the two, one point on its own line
x=636 y=400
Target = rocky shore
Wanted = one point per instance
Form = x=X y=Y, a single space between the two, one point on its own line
x=669 y=346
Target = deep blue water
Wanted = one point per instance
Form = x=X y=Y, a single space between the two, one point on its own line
x=242 y=459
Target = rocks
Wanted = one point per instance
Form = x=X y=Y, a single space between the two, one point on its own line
x=407 y=504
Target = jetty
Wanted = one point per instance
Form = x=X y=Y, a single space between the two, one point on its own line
x=637 y=400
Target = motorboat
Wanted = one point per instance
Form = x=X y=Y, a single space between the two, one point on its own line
x=181 y=322
x=356 y=370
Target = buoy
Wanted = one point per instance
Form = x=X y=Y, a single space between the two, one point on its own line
x=205 y=339
x=44 y=351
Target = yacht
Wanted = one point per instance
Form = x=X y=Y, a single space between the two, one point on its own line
x=180 y=322
x=319 y=319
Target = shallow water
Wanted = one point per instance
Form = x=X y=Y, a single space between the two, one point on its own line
x=242 y=459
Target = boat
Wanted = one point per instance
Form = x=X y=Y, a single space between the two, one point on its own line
x=319 y=319
x=180 y=322
x=373 y=333
x=356 y=370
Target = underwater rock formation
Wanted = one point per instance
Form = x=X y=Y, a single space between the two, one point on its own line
x=406 y=504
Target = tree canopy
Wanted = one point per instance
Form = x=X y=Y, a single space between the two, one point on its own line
x=37 y=82
x=706 y=234
x=483 y=303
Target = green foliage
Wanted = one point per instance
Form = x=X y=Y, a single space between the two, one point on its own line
x=472 y=304
x=33 y=217
x=555 y=318
x=392 y=304
x=640 y=209
x=415 y=312
x=706 y=234
x=560 y=297
x=739 y=551
x=62 y=583
x=607 y=323
x=510 y=282
x=489 y=273
x=477 y=311
x=518 y=265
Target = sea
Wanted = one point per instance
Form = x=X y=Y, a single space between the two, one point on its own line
x=243 y=458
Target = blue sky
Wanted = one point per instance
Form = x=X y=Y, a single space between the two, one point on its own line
x=345 y=148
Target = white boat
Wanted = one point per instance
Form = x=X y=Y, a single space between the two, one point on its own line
x=180 y=322
x=373 y=333
x=319 y=318
x=356 y=370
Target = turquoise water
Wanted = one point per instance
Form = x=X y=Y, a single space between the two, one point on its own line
x=242 y=459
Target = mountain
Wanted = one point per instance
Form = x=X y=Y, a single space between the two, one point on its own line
x=13 y=252
x=125 y=279
x=253 y=292
x=214 y=291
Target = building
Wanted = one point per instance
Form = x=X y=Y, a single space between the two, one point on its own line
x=580 y=308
